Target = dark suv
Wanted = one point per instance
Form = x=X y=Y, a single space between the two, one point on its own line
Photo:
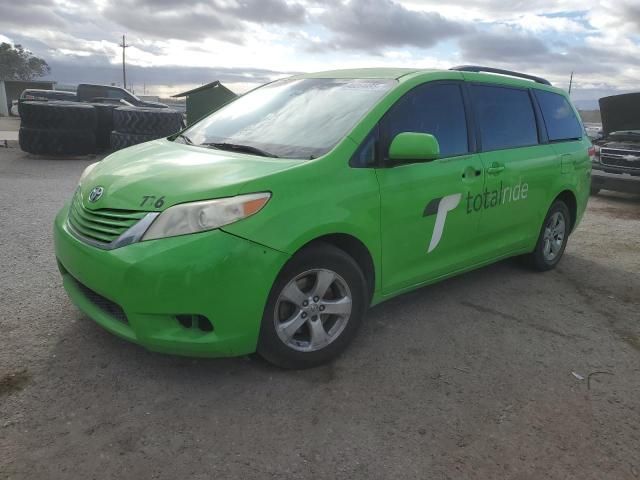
x=88 y=93
x=617 y=161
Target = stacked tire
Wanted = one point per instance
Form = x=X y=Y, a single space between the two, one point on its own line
x=133 y=125
x=57 y=128
x=104 y=125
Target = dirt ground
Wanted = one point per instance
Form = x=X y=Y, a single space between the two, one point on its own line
x=499 y=373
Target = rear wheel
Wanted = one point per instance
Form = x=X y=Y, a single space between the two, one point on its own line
x=314 y=309
x=552 y=239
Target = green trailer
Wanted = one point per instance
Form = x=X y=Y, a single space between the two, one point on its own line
x=205 y=99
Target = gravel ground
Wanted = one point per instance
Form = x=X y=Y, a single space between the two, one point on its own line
x=469 y=378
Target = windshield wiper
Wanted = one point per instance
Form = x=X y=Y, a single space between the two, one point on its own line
x=239 y=148
x=186 y=139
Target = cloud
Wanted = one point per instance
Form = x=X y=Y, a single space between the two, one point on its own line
x=265 y=11
x=37 y=13
x=596 y=68
x=595 y=38
x=506 y=46
x=163 y=21
x=372 y=25
x=99 y=69
x=222 y=20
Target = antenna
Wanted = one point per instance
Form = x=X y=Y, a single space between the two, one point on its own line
x=570 y=82
x=124 y=72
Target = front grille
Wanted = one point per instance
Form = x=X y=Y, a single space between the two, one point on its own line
x=102 y=225
x=107 y=306
x=615 y=157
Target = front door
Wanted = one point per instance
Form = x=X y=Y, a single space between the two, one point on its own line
x=427 y=228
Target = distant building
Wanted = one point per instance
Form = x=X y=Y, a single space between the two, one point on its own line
x=203 y=100
x=12 y=89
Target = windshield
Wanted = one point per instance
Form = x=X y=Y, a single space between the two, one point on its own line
x=302 y=118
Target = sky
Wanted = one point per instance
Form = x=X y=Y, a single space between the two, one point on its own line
x=175 y=46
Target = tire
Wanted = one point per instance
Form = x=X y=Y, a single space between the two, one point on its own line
x=58 y=115
x=539 y=259
x=56 y=142
x=161 y=122
x=104 y=125
x=123 y=140
x=595 y=190
x=300 y=349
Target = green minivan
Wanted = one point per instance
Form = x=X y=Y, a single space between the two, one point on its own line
x=272 y=225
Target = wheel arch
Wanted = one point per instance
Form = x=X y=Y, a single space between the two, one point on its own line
x=569 y=198
x=356 y=249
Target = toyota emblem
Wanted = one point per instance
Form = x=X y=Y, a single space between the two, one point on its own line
x=95 y=194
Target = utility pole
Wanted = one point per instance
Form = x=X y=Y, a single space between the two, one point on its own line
x=124 y=72
x=570 y=82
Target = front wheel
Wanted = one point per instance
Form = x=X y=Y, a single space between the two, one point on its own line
x=314 y=309
x=552 y=239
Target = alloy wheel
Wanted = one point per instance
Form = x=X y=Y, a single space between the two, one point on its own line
x=312 y=310
x=553 y=237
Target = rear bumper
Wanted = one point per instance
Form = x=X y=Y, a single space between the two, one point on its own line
x=136 y=292
x=619 y=182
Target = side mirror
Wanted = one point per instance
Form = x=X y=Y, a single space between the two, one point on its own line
x=412 y=146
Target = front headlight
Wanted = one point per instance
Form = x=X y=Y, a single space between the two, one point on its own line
x=86 y=172
x=196 y=217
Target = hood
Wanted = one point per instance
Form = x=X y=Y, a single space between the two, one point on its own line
x=620 y=112
x=150 y=104
x=175 y=173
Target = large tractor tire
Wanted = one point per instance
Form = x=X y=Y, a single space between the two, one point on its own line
x=41 y=141
x=104 y=127
x=59 y=115
x=160 y=122
x=121 y=140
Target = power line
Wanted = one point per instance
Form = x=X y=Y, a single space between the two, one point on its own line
x=124 y=71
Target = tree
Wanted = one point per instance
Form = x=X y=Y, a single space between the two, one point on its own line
x=20 y=64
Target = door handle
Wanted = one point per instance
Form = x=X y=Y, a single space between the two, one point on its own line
x=470 y=173
x=495 y=168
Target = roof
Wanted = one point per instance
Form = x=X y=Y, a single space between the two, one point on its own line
x=473 y=73
x=215 y=84
x=388 y=73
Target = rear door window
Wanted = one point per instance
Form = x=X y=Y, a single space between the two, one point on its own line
x=505 y=116
x=434 y=108
x=559 y=118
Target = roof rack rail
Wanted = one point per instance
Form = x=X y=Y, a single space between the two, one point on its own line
x=478 y=69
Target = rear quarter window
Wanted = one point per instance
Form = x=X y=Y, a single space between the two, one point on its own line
x=559 y=117
x=505 y=116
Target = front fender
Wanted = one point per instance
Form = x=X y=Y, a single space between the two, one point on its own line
x=320 y=198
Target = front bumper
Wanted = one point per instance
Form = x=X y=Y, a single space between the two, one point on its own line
x=222 y=277
x=616 y=181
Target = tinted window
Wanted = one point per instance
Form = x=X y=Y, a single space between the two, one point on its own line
x=87 y=92
x=117 y=94
x=559 y=117
x=435 y=109
x=505 y=117
x=365 y=156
